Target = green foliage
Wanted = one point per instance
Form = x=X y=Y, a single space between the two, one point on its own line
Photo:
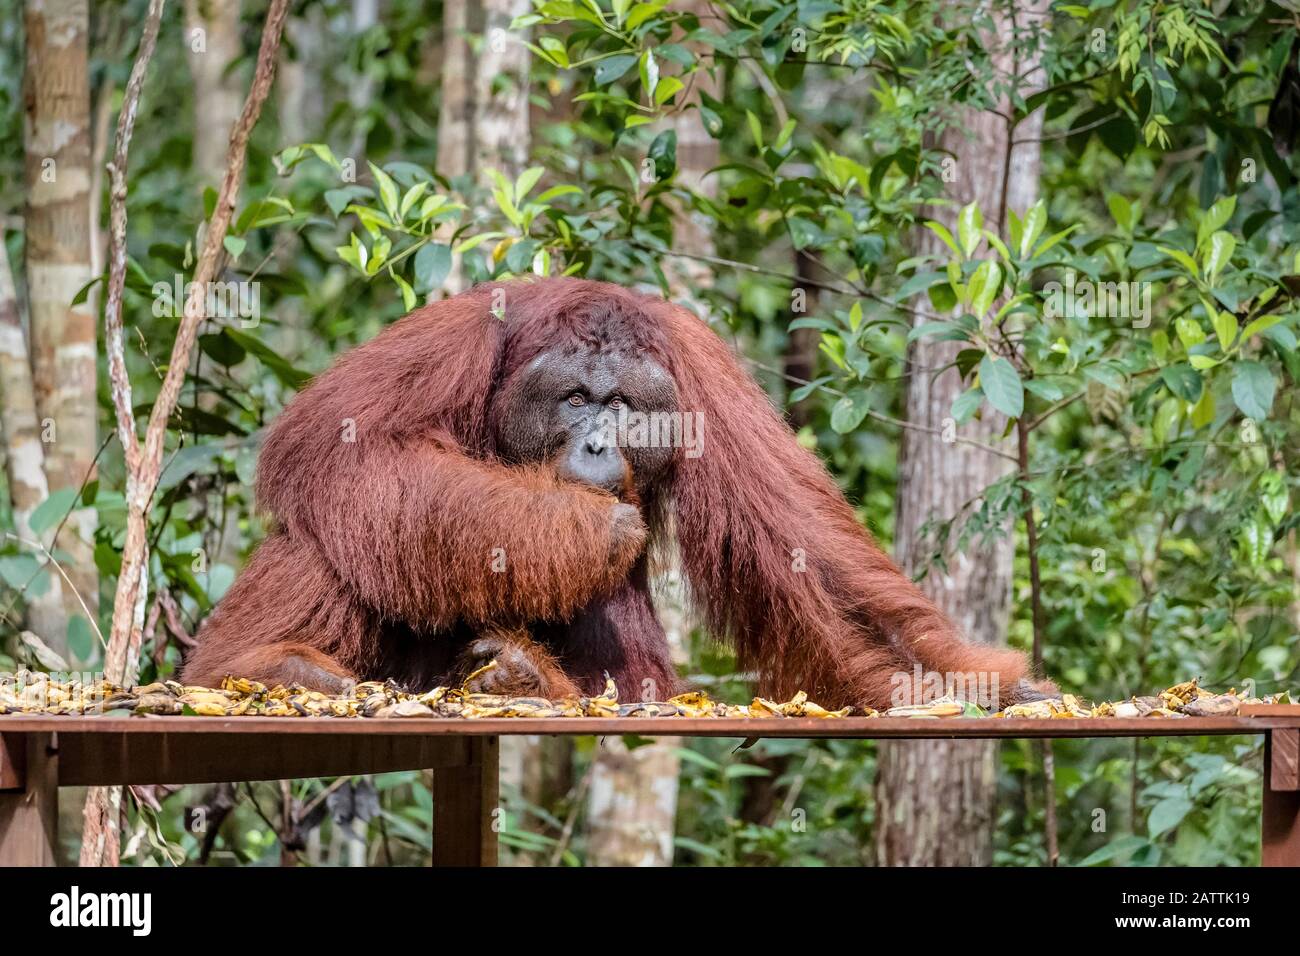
x=1140 y=320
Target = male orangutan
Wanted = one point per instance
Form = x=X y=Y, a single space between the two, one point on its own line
x=448 y=495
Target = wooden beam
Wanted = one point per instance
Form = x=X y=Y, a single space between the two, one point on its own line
x=256 y=730
x=1280 y=814
x=465 y=804
x=29 y=817
x=108 y=759
x=1284 y=765
x=13 y=761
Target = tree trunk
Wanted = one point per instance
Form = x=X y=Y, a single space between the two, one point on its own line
x=483 y=121
x=456 y=103
x=57 y=144
x=299 y=93
x=632 y=808
x=212 y=39
x=935 y=799
x=24 y=453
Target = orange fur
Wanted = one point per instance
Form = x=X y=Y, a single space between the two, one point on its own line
x=393 y=550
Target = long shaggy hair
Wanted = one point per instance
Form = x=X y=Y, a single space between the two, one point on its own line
x=389 y=503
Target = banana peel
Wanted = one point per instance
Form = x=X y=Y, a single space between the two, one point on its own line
x=32 y=692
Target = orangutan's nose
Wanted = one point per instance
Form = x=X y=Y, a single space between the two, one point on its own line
x=594 y=460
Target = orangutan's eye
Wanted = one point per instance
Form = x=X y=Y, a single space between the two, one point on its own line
x=616 y=402
x=576 y=400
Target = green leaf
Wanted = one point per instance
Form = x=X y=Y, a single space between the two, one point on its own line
x=1225 y=327
x=51 y=511
x=649 y=70
x=432 y=265
x=1165 y=421
x=967 y=404
x=1254 y=539
x=1035 y=222
x=996 y=242
x=943 y=329
x=1121 y=210
x=643 y=12
x=1222 y=245
x=1105 y=375
x=1274 y=496
x=221 y=349
x=1215 y=218
x=279 y=366
x=1189 y=332
x=848 y=412
x=940 y=230
x=1046 y=390
x=984 y=286
x=1115 y=848
x=81 y=637
x=1167 y=814
x=667 y=88
x=234 y=245
x=1252 y=389
x=804 y=233
x=1053 y=239
x=526 y=181
x=969 y=223
x=1160 y=345
x=388 y=192
x=1259 y=325
x=613 y=67
x=1182 y=258
x=411 y=197
x=1001 y=385
x=1203 y=411
x=1183 y=381
x=663 y=152
x=408 y=294
x=17 y=569
x=755 y=129
x=339 y=199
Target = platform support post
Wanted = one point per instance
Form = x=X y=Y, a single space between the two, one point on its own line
x=465 y=807
x=29 y=800
x=1280 y=823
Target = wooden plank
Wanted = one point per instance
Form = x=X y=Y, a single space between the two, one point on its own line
x=465 y=801
x=1270 y=710
x=29 y=818
x=1280 y=814
x=13 y=760
x=1284 y=764
x=99 y=759
x=852 y=727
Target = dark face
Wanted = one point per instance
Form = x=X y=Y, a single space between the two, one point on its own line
x=567 y=409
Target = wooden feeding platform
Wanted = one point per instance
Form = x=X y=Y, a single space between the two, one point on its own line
x=39 y=754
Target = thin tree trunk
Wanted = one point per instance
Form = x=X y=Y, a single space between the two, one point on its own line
x=212 y=42
x=57 y=145
x=361 y=86
x=799 y=358
x=935 y=799
x=24 y=453
x=301 y=94
x=501 y=89
x=483 y=121
x=632 y=806
x=99 y=845
x=456 y=109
